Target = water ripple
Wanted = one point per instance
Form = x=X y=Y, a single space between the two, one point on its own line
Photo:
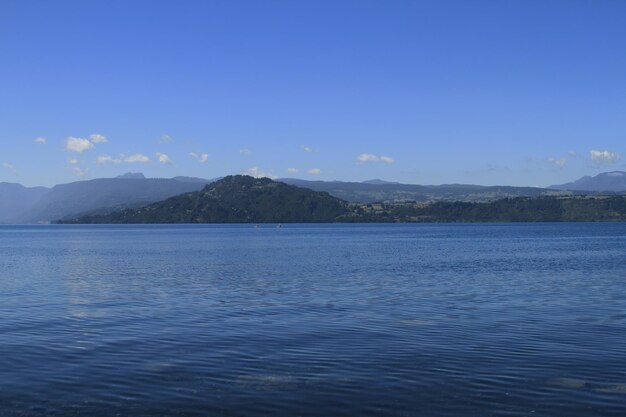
x=373 y=320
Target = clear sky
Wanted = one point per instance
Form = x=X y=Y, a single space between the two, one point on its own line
x=487 y=92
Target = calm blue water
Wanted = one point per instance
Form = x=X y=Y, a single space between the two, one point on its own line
x=360 y=320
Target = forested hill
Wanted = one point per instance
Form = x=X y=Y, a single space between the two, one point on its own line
x=521 y=209
x=235 y=199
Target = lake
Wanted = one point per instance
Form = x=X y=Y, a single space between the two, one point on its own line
x=313 y=320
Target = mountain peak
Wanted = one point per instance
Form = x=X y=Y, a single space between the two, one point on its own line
x=379 y=182
x=614 y=181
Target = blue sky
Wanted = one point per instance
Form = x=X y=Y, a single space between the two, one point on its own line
x=429 y=92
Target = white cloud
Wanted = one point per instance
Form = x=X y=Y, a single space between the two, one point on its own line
x=79 y=172
x=8 y=166
x=559 y=163
x=307 y=149
x=79 y=145
x=203 y=158
x=257 y=173
x=367 y=157
x=164 y=159
x=72 y=161
x=604 y=157
x=103 y=159
x=314 y=171
x=96 y=138
x=245 y=151
x=131 y=159
x=165 y=139
x=292 y=170
x=41 y=140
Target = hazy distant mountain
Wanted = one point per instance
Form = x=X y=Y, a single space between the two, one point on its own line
x=382 y=191
x=607 y=181
x=235 y=199
x=132 y=176
x=379 y=182
x=105 y=194
x=140 y=176
x=15 y=199
x=194 y=179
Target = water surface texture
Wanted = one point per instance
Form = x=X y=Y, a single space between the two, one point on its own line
x=323 y=320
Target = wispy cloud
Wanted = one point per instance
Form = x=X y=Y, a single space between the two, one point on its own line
x=292 y=170
x=165 y=139
x=103 y=159
x=202 y=158
x=79 y=172
x=314 y=171
x=257 y=173
x=604 y=157
x=307 y=149
x=558 y=162
x=41 y=140
x=136 y=158
x=72 y=161
x=9 y=166
x=97 y=138
x=79 y=145
x=130 y=159
x=164 y=159
x=368 y=157
x=245 y=151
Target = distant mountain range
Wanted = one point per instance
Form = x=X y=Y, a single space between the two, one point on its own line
x=243 y=199
x=15 y=199
x=607 y=181
x=35 y=205
x=20 y=204
x=382 y=191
